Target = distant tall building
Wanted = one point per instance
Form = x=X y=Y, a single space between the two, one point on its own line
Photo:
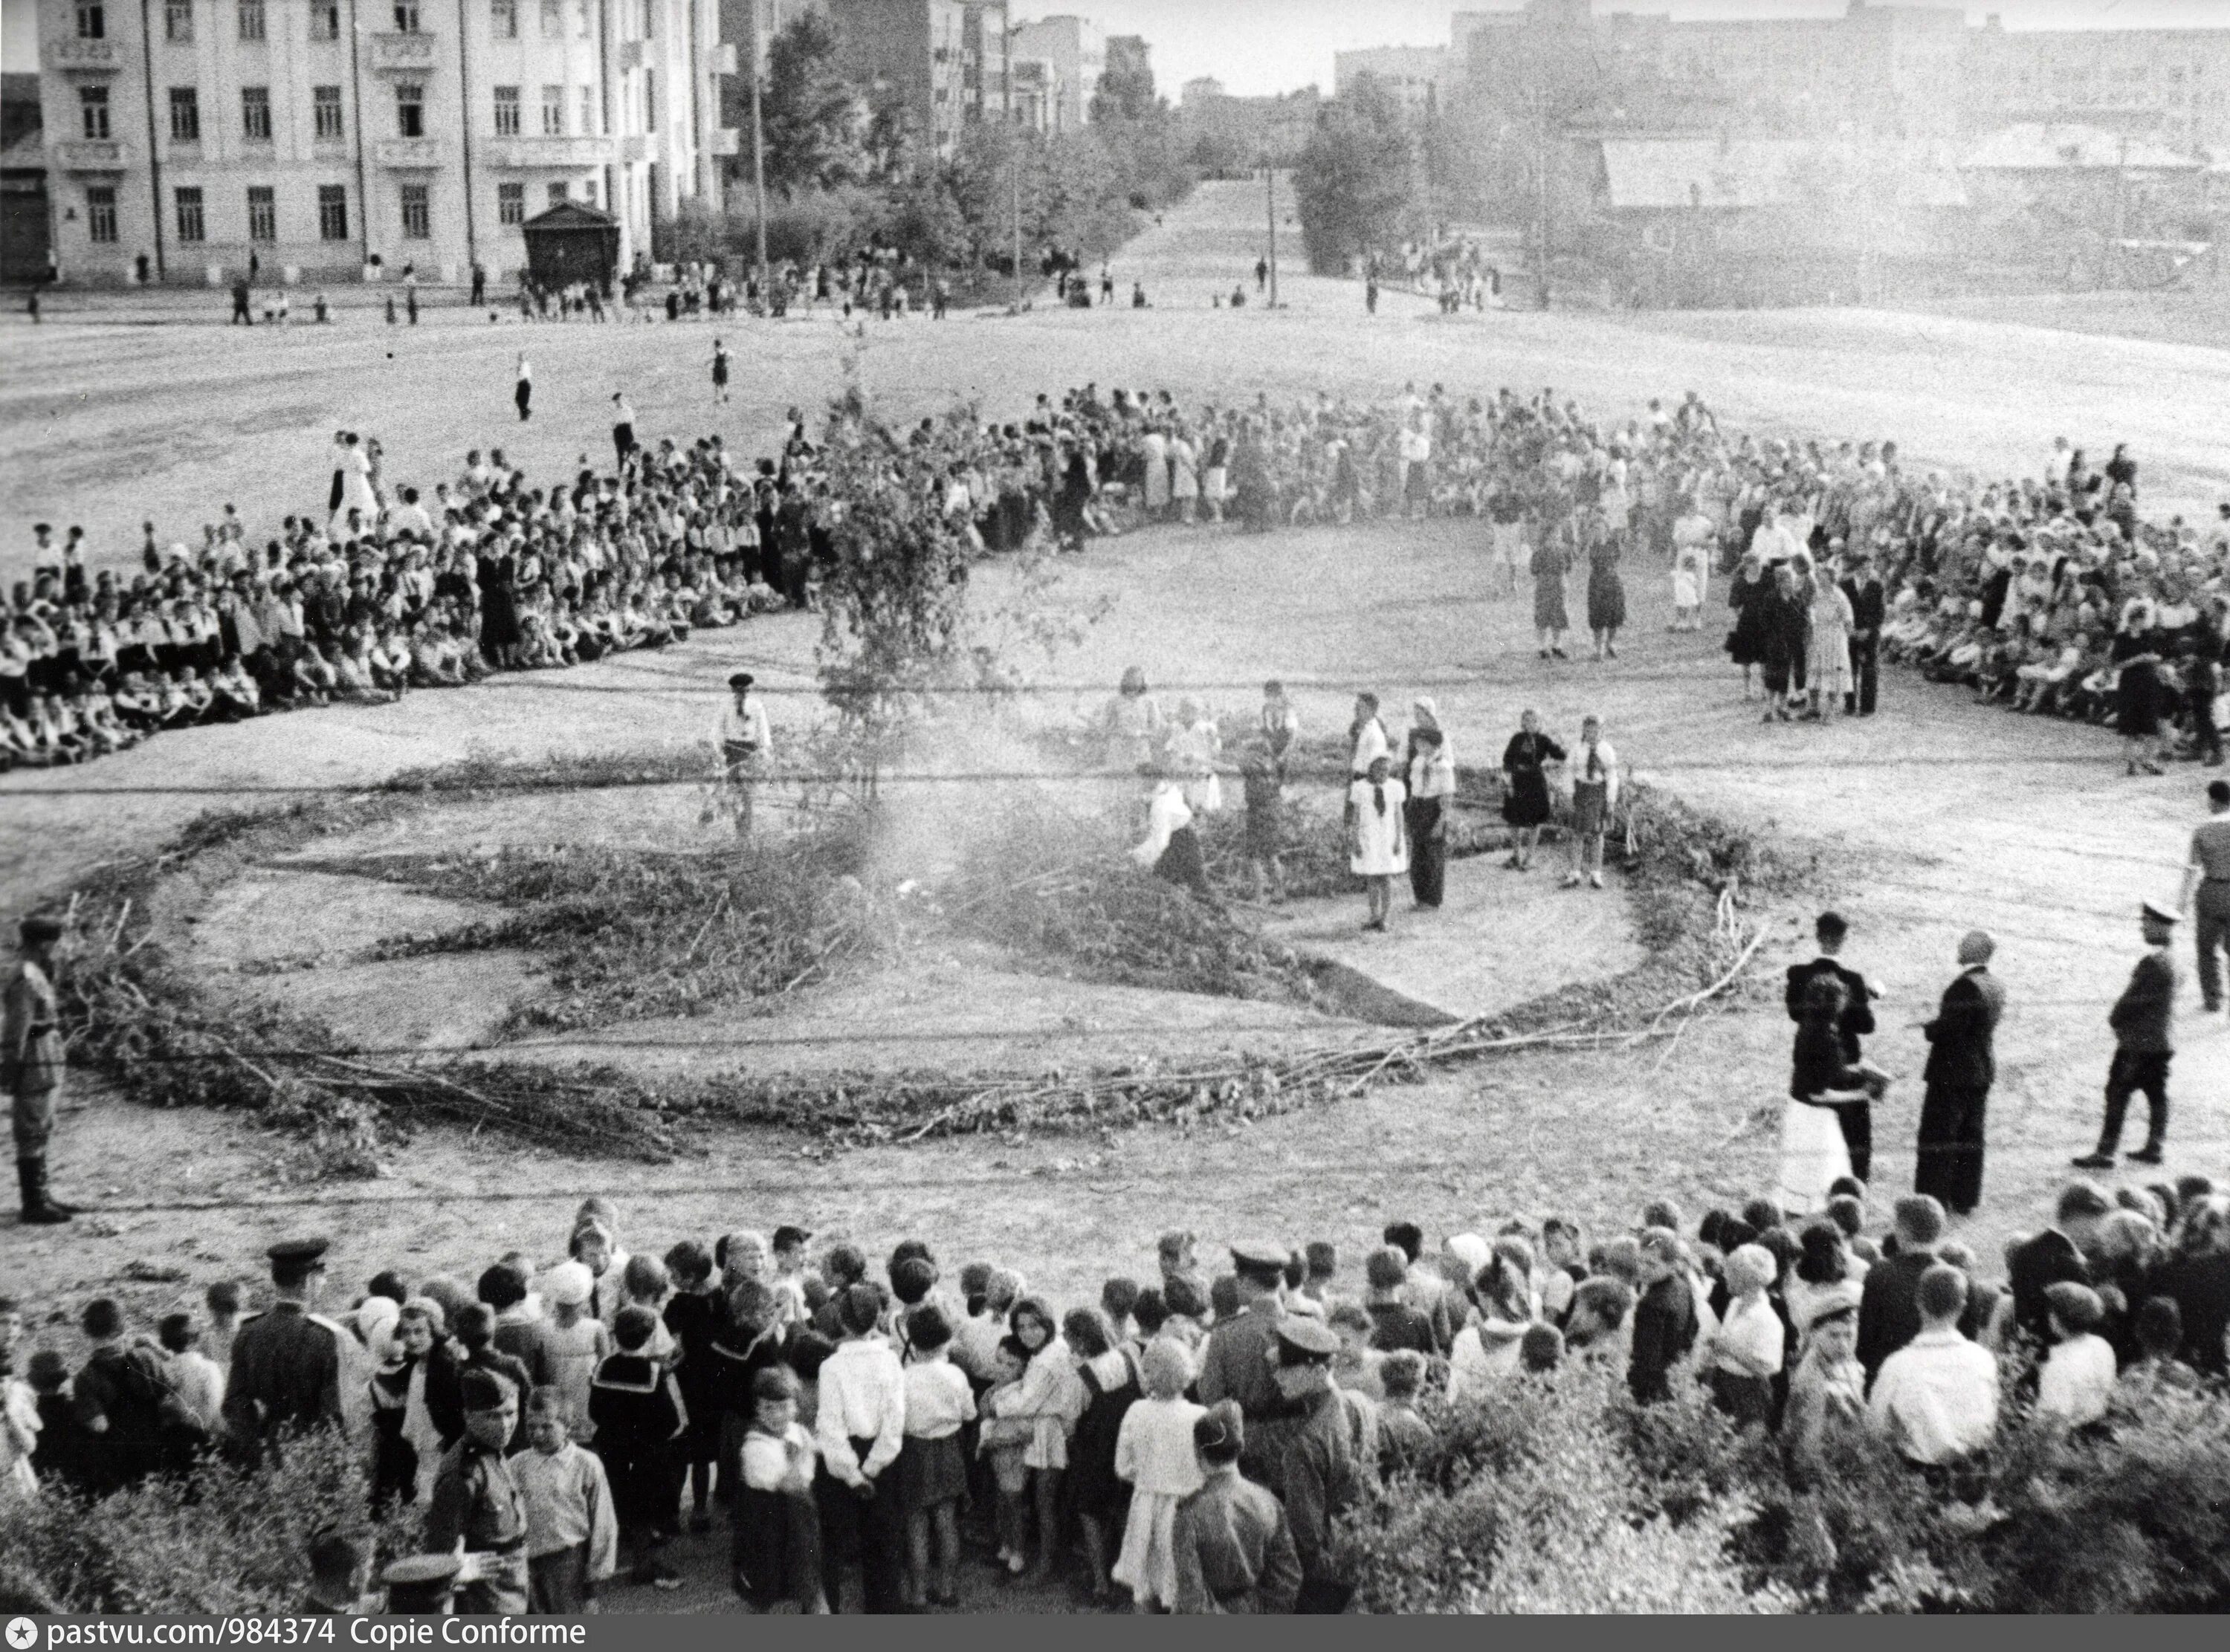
x=1073 y=55
x=2169 y=85
x=1248 y=130
x=946 y=60
x=335 y=136
x=1419 y=77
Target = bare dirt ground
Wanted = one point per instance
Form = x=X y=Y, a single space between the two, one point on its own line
x=1935 y=816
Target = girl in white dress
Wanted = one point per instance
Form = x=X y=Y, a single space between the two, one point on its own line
x=1827 y=668
x=1184 y=476
x=1154 y=1452
x=1378 y=842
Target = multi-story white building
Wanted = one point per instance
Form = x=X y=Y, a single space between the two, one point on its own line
x=1074 y=54
x=332 y=137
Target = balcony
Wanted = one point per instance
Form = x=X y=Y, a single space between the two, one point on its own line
x=84 y=57
x=401 y=53
x=724 y=140
x=525 y=154
x=409 y=154
x=89 y=154
x=643 y=146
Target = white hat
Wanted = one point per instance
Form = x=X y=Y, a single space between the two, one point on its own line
x=569 y=1284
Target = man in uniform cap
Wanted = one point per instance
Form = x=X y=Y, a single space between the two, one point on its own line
x=421 y=1586
x=1229 y=1542
x=2143 y=1021
x=476 y=1508
x=1316 y=1475
x=1869 y=609
x=288 y=1364
x=1238 y=1362
x=744 y=740
x=31 y=1064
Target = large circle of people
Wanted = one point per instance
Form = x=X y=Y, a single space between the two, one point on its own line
x=2049 y=594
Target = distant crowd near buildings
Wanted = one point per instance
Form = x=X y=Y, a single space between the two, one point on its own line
x=189 y=140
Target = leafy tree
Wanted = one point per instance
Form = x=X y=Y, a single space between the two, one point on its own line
x=1357 y=180
x=1126 y=85
x=815 y=124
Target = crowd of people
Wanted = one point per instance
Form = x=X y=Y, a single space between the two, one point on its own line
x=863 y=1431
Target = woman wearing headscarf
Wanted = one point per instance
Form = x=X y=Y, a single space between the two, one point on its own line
x=1378 y=837
x=1430 y=773
x=1525 y=806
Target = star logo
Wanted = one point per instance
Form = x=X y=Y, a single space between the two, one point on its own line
x=22 y=1634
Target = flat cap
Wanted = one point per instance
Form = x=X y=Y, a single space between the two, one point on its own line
x=36 y=931
x=419 y=1586
x=1260 y=1253
x=299 y=1253
x=1309 y=1337
x=2160 y=914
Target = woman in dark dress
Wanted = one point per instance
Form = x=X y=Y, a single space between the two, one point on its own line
x=1747 y=594
x=1606 y=590
x=498 y=609
x=1068 y=504
x=1526 y=802
x=1098 y=1497
x=1786 y=625
x=2138 y=692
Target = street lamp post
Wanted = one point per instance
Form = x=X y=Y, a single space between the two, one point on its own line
x=758 y=162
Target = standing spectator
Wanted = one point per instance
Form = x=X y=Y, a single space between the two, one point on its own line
x=1232 y=1549
x=2144 y=1021
x=1525 y=807
x=1378 y=840
x=860 y=1426
x=572 y=1534
x=2076 y=1383
x=2036 y=1265
x=1961 y=1067
x=2206 y=876
x=1594 y=800
x=1862 y=586
x=1852 y=1025
x=1665 y=1322
x=1431 y=775
x=31 y=1066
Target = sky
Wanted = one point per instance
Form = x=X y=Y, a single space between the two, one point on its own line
x=1258 y=46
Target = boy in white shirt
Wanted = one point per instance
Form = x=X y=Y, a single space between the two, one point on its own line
x=2076 y=1383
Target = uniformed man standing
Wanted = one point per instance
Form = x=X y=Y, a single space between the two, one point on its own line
x=287 y=1363
x=1239 y=1363
x=746 y=741
x=1229 y=1542
x=31 y=1066
x=476 y=1509
x=1315 y=1475
x=2143 y=1019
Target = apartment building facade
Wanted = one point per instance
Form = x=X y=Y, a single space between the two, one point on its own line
x=946 y=60
x=1066 y=57
x=190 y=140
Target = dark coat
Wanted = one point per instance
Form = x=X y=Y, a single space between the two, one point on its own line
x=1962 y=1037
x=1888 y=1308
x=2034 y=1266
x=1857 y=1020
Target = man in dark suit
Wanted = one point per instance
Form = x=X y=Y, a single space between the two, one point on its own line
x=1869 y=608
x=1856 y=1118
x=1889 y=1305
x=2143 y=1021
x=1961 y=1067
x=2033 y=1266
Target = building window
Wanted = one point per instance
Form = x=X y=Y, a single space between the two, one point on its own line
x=589 y=190
x=511 y=204
x=416 y=220
x=506 y=112
x=191 y=225
x=179 y=22
x=251 y=19
x=326 y=107
x=263 y=213
x=581 y=20
x=553 y=19
x=588 y=112
x=409 y=110
x=185 y=115
x=332 y=212
x=324 y=20
x=255 y=113
x=101 y=214
x=649 y=11
x=503 y=19
x=92 y=22
x=559 y=195
x=93 y=106
x=406 y=16
x=553 y=111
x=650 y=100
